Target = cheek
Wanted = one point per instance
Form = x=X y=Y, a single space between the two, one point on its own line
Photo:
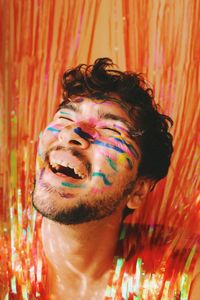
x=117 y=153
x=110 y=165
x=46 y=138
x=49 y=135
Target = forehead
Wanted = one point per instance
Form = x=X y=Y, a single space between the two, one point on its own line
x=96 y=107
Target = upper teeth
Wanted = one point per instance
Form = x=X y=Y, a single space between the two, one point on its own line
x=55 y=164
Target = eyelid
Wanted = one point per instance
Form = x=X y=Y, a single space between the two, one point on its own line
x=112 y=129
x=66 y=118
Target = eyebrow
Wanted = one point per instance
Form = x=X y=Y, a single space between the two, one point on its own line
x=70 y=106
x=113 y=117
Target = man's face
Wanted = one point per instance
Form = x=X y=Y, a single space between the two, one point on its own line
x=87 y=162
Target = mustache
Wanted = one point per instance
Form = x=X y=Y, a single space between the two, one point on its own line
x=82 y=158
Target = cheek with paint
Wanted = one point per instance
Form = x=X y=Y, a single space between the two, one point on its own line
x=107 y=170
x=49 y=135
x=124 y=153
x=53 y=129
x=40 y=156
x=45 y=138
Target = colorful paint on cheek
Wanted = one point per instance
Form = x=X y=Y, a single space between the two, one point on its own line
x=106 y=145
x=129 y=146
x=103 y=176
x=39 y=152
x=72 y=185
x=39 y=162
x=64 y=113
x=123 y=157
x=82 y=133
x=106 y=153
x=53 y=129
x=111 y=163
x=41 y=173
x=121 y=128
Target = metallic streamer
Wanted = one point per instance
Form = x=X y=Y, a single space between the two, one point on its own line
x=157 y=38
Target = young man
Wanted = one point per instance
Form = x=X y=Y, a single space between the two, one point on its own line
x=103 y=152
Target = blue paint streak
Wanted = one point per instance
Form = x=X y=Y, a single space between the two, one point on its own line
x=96 y=142
x=82 y=133
x=129 y=146
x=39 y=152
x=53 y=129
x=105 y=180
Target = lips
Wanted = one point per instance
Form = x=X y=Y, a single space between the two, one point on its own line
x=65 y=169
x=67 y=166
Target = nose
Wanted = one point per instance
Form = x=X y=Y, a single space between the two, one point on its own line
x=75 y=135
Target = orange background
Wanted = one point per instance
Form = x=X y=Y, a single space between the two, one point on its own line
x=40 y=39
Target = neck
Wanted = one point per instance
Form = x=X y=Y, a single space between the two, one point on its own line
x=73 y=250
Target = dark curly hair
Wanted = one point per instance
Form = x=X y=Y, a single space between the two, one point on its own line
x=98 y=81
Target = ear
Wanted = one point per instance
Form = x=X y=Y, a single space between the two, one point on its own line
x=140 y=191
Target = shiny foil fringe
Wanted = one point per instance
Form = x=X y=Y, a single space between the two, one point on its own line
x=39 y=40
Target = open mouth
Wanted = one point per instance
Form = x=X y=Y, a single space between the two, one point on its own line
x=65 y=171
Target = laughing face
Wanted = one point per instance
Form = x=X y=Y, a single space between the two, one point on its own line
x=87 y=162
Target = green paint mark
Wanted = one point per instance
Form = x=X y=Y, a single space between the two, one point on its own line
x=53 y=129
x=105 y=180
x=71 y=185
x=111 y=163
x=64 y=113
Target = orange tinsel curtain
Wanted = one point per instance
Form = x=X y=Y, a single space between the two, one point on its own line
x=39 y=40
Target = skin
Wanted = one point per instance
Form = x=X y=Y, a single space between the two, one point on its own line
x=80 y=246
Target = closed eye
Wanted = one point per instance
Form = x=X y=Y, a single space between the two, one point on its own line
x=111 y=129
x=61 y=117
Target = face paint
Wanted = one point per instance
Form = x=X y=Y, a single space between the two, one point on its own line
x=111 y=163
x=124 y=157
x=53 y=129
x=41 y=173
x=82 y=133
x=39 y=162
x=106 y=145
x=129 y=146
x=121 y=128
x=103 y=176
x=72 y=185
x=64 y=113
x=107 y=153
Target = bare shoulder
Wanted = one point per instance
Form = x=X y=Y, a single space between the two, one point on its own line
x=195 y=286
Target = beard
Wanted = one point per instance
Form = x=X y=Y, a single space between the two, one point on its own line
x=57 y=205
